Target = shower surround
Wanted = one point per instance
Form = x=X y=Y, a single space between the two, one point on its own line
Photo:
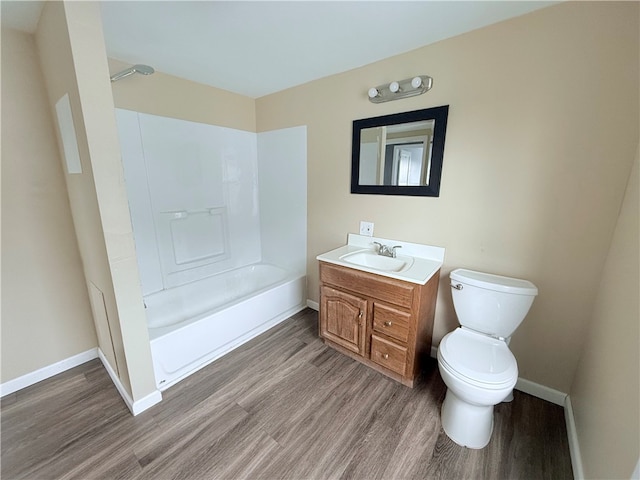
x=219 y=222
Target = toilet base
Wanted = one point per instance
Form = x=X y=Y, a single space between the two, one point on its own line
x=466 y=424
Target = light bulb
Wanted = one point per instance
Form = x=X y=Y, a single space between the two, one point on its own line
x=416 y=82
x=373 y=92
x=394 y=87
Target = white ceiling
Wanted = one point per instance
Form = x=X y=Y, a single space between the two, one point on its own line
x=259 y=47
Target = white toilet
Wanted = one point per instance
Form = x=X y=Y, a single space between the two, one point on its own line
x=474 y=360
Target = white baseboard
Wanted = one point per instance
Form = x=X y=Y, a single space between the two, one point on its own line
x=541 y=391
x=434 y=352
x=572 y=434
x=147 y=402
x=116 y=381
x=46 y=372
x=138 y=406
x=313 y=305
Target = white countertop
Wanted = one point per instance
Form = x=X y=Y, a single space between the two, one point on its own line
x=427 y=259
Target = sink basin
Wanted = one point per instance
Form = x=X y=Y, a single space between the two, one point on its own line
x=371 y=259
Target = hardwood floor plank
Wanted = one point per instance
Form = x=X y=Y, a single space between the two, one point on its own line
x=282 y=406
x=8 y=400
x=210 y=448
x=336 y=442
x=123 y=466
x=377 y=447
x=52 y=420
x=174 y=438
x=79 y=437
x=414 y=448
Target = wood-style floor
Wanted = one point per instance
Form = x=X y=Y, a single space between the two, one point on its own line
x=282 y=406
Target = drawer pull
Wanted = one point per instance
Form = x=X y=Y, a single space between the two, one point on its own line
x=387 y=323
x=385 y=356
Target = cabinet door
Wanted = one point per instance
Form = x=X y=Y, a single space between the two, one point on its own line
x=342 y=319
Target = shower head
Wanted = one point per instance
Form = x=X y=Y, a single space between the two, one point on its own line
x=142 y=69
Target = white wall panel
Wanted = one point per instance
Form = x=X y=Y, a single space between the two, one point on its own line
x=140 y=208
x=282 y=167
x=193 y=193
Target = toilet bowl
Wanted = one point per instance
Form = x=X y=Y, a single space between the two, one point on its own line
x=474 y=360
x=479 y=372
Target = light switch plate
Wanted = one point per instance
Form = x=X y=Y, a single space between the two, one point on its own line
x=366 y=228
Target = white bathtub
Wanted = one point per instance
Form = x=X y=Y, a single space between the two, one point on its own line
x=192 y=325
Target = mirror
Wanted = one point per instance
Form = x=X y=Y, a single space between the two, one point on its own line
x=399 y=154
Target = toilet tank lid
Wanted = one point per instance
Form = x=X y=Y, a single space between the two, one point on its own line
x=497 y=283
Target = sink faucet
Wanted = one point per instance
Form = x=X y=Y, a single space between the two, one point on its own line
x=387 y=251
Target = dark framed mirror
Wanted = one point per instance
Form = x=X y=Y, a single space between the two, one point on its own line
x=399 y=154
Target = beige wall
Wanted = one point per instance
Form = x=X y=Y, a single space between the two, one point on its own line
x=169 y=96
x=72 y=52
x=605 y=394
x=543 y=126
x=46 y=316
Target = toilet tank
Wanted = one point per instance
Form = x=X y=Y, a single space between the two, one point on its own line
x=489 y=303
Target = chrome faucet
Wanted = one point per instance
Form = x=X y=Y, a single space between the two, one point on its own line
x=387 y=251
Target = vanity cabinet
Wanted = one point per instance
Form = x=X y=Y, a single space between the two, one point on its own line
x=382 y=322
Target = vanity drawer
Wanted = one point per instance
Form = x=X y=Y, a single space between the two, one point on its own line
x=386 y=289
x=391 y=321
x=388 y=354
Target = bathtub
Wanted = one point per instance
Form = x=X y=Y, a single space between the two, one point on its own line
x=192 y=325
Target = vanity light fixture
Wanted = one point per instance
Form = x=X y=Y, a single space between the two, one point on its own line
x=408 y=87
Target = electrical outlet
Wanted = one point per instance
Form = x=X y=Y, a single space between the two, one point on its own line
x=366 y=228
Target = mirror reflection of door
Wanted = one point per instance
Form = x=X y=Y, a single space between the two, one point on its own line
x=401 y=167
x=405 y=165
x=396 y=155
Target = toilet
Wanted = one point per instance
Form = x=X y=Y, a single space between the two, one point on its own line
x=474 y=360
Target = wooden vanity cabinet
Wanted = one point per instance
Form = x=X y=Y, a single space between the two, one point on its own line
x=382 y=322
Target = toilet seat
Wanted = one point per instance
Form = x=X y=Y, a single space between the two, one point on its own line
x=481 y=360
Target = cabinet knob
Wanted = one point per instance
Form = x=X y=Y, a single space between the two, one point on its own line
x=387 y=323
x=385 y=355
x=360 y=314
